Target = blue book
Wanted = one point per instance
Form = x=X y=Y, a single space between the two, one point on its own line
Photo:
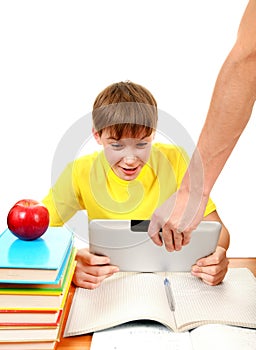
x=38 y=261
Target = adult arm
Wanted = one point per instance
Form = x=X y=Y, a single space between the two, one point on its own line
x=230 y=109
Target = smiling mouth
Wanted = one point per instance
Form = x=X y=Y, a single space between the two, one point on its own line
x=129 y=170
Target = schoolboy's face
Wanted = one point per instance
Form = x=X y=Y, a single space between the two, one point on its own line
x=126 y=156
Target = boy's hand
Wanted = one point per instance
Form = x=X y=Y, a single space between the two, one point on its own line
x=91 y=269
x=213 y=268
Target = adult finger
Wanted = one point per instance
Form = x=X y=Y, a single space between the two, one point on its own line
x=153 y=232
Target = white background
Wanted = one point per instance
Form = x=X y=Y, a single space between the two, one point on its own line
x=56 y=56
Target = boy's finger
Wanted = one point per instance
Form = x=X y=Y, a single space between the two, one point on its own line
x=209 y=260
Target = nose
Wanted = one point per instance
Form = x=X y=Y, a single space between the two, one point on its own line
x=130 y=159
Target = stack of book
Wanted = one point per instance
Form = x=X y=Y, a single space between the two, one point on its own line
x=35 y=278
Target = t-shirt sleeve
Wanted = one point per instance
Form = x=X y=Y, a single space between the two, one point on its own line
x=210 y=207
x=62 y=200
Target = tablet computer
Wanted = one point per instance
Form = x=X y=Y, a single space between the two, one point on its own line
x=128 y=245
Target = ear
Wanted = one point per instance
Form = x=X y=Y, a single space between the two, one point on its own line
x=96 y=136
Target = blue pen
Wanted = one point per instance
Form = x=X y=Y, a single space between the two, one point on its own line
x=169 y=294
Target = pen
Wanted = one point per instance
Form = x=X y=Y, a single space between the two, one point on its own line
x=169 y=294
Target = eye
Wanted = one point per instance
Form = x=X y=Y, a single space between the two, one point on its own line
x=141 y=144
x=117 y=146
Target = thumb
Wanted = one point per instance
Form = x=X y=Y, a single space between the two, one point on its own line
x=153 y=232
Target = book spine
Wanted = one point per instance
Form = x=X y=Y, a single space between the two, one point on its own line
x=32 y=324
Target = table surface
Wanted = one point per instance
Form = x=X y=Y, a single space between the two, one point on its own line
x=83 y=342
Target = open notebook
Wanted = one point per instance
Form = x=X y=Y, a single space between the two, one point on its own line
x=150 y=335
x=129 y=296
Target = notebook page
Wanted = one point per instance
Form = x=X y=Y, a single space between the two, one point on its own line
x=231 y=302
x=127 y=297
x=223 y=337
x=140 y=335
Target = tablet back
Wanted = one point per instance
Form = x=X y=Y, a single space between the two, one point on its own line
x=128 y=245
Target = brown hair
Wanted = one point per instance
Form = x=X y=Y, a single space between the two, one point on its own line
x=125 y=107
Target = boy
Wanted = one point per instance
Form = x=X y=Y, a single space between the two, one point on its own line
x=129 y=179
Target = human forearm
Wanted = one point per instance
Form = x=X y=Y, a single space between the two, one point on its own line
x=231 y=104
x=224 y=239
x=229 y=112
x=230 y=109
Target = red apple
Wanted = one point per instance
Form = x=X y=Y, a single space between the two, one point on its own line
x=28 y=219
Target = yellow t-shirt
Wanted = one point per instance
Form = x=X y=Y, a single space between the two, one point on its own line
x=89 y=184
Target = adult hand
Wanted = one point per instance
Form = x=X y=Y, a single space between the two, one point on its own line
x=213 y=268
x=178 y=216
x=92 y=269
